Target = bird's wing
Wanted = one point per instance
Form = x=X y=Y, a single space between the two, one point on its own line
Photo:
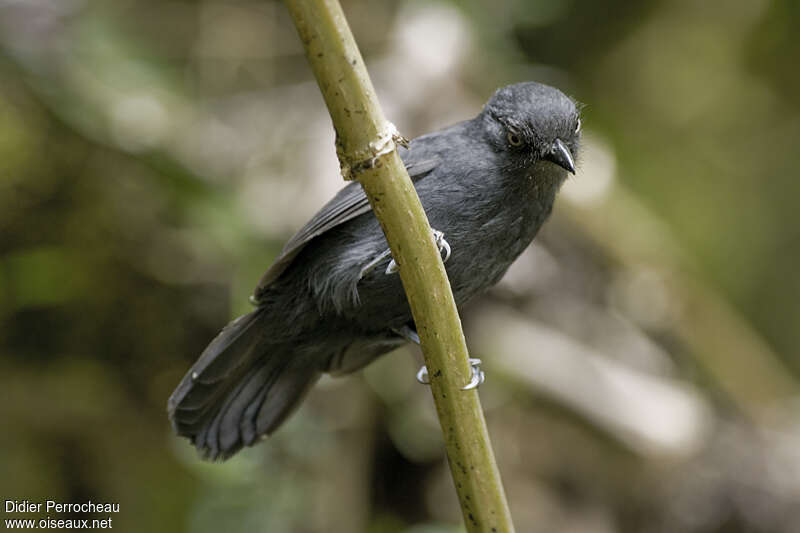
x=348 y=203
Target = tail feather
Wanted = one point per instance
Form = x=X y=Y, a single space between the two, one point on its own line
x=219 y=437
x=279 y=398
x=241 y=387
x=203 y=387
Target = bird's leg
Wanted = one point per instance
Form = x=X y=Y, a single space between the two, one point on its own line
x=438 y=237
x=477 y=376
x=372 y=264
x=408 y=333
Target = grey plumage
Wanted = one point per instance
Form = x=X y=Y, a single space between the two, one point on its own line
x=488 y=183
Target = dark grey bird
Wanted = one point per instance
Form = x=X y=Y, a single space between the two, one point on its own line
x=330 y=302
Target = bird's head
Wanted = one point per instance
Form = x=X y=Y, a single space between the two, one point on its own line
x=534 y=123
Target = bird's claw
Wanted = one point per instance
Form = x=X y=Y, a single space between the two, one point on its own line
x=477 y=376
x=438 y=237
x=444 y=246
x=422 y=375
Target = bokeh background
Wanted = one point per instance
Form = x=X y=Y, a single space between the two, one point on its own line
x=642 y=355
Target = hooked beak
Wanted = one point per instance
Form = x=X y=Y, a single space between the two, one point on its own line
x=561 y=156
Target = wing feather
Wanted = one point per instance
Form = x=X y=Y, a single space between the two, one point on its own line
x=348 y=203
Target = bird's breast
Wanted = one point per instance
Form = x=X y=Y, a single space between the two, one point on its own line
x=493 y=230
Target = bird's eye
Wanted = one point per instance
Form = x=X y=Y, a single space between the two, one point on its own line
x=578 y=126
x=514 y=139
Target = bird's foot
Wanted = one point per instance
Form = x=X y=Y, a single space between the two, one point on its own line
x=422 y=375
x=372 y=264
x=477 y=376
x=408 y=333
x=444 y=248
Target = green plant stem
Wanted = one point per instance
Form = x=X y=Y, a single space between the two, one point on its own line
x=365 y=143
